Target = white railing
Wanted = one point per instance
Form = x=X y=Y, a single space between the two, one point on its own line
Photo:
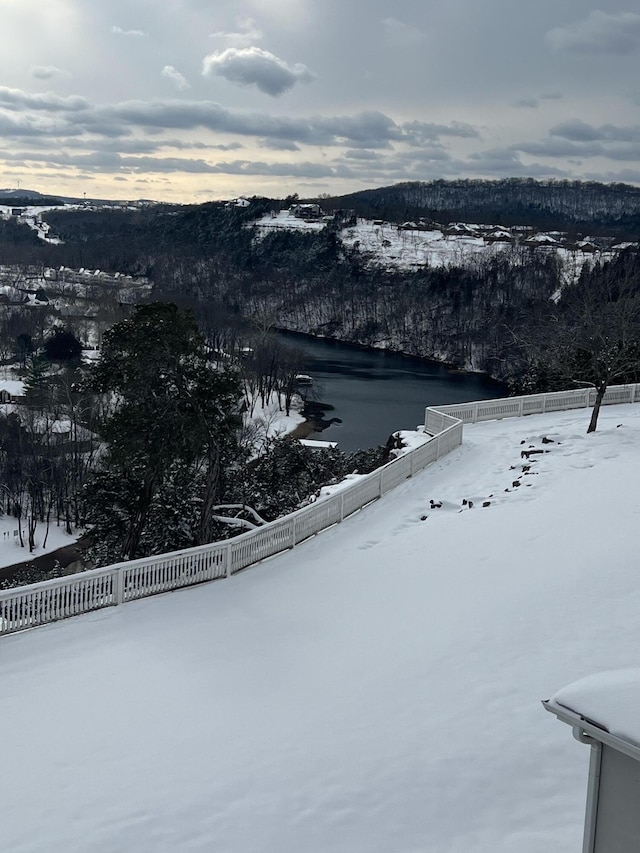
x=39 y=604
x=535 y=404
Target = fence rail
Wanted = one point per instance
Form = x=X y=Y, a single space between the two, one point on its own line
x=41 y=603
x=533 y=404
x=60 y=598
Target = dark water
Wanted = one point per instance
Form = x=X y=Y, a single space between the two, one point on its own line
x=375 y=393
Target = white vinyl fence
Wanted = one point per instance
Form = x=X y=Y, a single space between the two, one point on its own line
x=537 y=404
x=39 y=604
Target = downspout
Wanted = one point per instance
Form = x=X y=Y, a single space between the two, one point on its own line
x=593 y=788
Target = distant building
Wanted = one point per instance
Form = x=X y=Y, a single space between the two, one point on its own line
x=12 y=391
x=238 y=202
x=306 y=211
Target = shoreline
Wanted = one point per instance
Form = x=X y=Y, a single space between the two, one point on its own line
x=303 y=430
x=447 y=365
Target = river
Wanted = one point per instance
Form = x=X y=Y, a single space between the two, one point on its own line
x=375 y=393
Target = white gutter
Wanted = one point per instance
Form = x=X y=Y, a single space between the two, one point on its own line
x=588 y=732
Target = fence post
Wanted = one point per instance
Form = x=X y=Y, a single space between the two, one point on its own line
x=475 y=413
x=341 y=506
x=293 y=534
x=118 y=587
x=521 y=407
x=227 y=561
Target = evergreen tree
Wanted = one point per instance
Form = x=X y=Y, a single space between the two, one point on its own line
x=170 y=410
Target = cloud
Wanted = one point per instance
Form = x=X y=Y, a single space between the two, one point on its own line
x=577 y=139
x=16 y=99
x=178 y=79
x=506 y=162
x=279 y=144
x=367 y=130
x=363 y=154
x=560 y=148
x=245 y=36
x=577 y=130
x=46 y=72
x=137 y=34
x=419 y=132
x=599 y=32
x=528 y=103
x=252 y=66
x=16 y=127
x=401 y=32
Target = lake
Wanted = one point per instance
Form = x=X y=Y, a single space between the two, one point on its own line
x=375 y=393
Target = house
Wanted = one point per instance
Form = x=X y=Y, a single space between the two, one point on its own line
x=306 y=211
x=12 y=391
x=602 y=712
x=238 y=202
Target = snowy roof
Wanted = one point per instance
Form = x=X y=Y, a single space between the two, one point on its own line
x=15 y=387
x=608 y=700
x=542 y=238
x=317 y=445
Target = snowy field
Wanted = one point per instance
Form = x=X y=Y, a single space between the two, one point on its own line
x=377 y=689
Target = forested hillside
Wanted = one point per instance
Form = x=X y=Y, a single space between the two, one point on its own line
x=468 y=310
x=576 y=205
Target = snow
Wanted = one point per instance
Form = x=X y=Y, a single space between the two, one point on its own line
x=314 y=444
x=10 y=550
x=412 y=247
x=15 y=387
x=271 y=420
x=376 y=689
x=394 y=247
x=609 y=699
x=287 y=220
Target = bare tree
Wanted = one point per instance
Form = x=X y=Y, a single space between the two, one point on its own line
x=592 y=336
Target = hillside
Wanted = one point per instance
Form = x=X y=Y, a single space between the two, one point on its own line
x=376 y=689
x=454 y=271
x=577 y=205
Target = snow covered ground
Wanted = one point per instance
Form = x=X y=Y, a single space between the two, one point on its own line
x=408 y=249
x=11 y=552
x=271 y=420
x=287 y=220
x=31 y=215
x=377 y=689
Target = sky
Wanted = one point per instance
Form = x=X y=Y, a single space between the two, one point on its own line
x=193 y=100
x=378 y=688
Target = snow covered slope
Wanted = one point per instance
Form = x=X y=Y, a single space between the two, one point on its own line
x=377 y=689
x=410 y=248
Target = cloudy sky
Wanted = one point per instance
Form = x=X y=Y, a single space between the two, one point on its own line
x=189 y=100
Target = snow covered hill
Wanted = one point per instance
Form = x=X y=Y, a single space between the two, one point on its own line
x=412 y=246
x=377 y=689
